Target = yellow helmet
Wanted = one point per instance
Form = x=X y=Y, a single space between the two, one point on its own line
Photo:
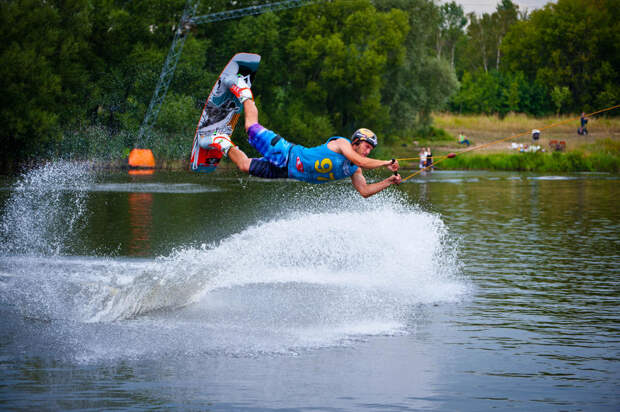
x=365 y=135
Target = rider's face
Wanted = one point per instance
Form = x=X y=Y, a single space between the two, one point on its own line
x=363 y=149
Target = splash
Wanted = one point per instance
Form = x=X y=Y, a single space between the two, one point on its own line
x=46 y=207
x=386 y=251
x=324 y=269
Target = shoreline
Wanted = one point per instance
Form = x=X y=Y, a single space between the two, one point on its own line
x=572 y=161
x=605 y=158
x=599 y=151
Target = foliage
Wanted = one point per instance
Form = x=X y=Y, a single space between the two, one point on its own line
x=42 y=68
x=422 y=82
x=89 y=67
x=559 y=95
x=452 y=23
x=331 y=50
x=563 y=57
x=572 y=44
x=78 y=75
x=501 y=93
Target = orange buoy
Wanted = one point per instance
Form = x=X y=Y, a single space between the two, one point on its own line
x=141 y=158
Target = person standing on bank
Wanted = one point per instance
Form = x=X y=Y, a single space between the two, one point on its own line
x=429 y=159
x=422 y=155
x=337 y=159
x=584 y=121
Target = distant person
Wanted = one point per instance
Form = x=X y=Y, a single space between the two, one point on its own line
x=429 y=159
x=422 y=155
x=535 y=134
x=463 y=139
x=583 y=130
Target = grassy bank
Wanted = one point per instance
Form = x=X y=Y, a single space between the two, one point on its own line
x=574 y=161
x=599 y=151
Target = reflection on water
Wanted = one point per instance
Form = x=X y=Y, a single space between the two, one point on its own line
x=455 y=291
x=141 y=172
x=140 y=220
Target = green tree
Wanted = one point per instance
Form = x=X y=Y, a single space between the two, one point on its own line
x=451 y=26
x=504 y=17
x=421 y=83
x=42 y=74
x=559 y=95
x=78 y=68
x=130 y=41
x=573 y=44
x=481 y=43
x=512 y=96
x=498 y=92
x=338 y=55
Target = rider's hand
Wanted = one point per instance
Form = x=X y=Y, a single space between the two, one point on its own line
x=395 y=179
x=393 y=166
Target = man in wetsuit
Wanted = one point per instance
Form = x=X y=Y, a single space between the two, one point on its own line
x=336 y=159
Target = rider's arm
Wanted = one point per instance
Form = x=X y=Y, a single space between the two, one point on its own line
x=367 y=190
x=345 y=148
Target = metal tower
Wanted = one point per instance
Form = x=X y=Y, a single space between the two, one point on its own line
x=167 y=72
x=188 y=20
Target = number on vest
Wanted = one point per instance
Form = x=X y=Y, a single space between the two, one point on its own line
x=324 y=167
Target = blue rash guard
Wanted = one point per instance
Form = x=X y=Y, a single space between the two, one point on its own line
x=282 y=159
x=319 y=164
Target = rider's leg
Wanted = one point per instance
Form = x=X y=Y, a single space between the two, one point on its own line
x=250 y=113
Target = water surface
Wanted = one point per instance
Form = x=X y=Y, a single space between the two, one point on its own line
x=454 y=291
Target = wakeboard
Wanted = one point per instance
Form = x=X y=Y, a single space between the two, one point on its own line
x=221 y=111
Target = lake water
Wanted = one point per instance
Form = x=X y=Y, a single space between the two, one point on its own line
x=455 y=291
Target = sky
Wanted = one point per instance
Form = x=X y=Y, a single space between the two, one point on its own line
x=488 y=6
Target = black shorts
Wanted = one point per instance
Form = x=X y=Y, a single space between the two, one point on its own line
x=263 y=168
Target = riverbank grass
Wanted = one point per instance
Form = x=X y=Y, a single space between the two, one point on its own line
x=599 y=151
x=601 y=156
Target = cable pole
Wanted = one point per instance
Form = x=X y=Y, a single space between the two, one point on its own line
x=167 y=72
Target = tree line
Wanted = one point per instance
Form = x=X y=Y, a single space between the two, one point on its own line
x=77 y=75
x=562 y=58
